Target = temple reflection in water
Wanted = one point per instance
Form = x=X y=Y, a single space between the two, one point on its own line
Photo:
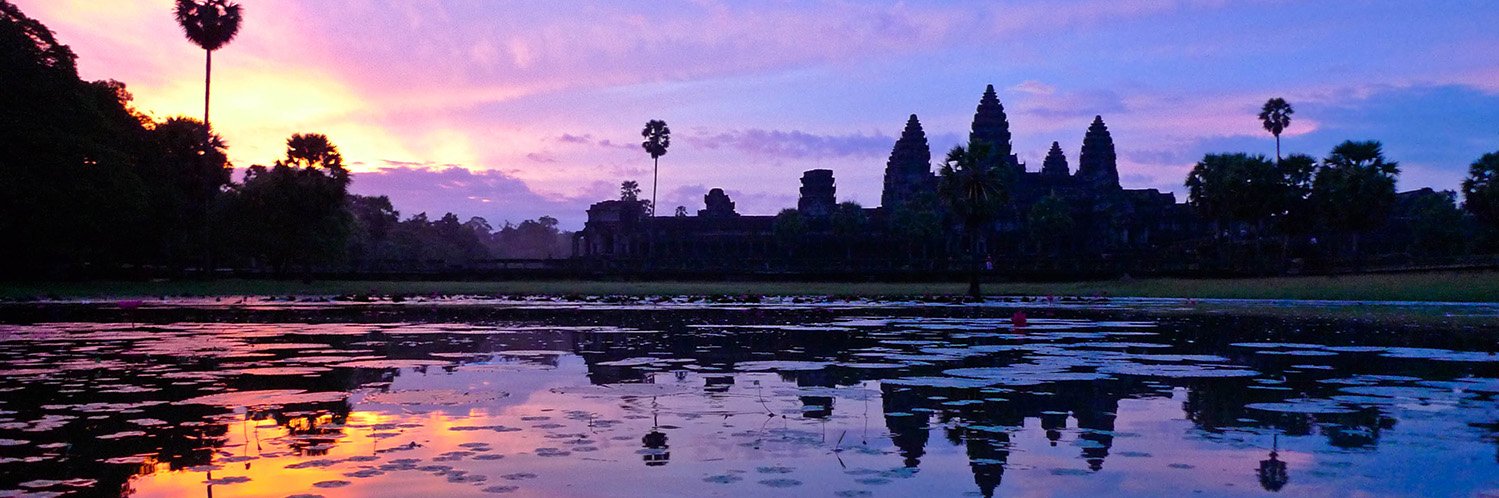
x=688 y=391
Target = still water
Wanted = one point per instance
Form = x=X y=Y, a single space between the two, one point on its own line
x=777 y=399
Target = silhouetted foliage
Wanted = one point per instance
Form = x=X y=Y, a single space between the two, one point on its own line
x=294 y=213
x=629 y=190
x=1293 y=212
x=916 y=223
x=437 y=244
x=69 y=191
x=1049 y=222
x=1355 y=188
x=974 y=189
x=1481 y=190
x=1275 y=116
x=1434 y=221
x=210 y=24
x=184 y=176
x=532 y=239
x=850 y=224
x=790 y=227
x=657 y=138
x=374 y=218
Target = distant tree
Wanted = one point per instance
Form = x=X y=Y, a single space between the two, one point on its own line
x=1436 y=224
x=1234 y=188
x=295 y=212
x=479 y=226
x=1289 y=208
x=1481 y=190
x=974 y=189
x=1275 y=115
x=1354 y=188
x=681 y=211
x=850 y=224
x=629 y=191
x=916 y=222
x=210 y=24
x=374 y=218
x=532 y=239
x=1049 y=222
x=184 y=175
x=789 y=228
x=657 y=138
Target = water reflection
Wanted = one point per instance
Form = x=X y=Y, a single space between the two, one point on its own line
x=745 y=403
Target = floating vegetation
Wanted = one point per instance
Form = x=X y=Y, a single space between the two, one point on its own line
x=266 y=397
x=435 y=397
x=849 y=398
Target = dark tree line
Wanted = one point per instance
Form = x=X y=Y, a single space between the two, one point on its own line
x=88 y=185
x=1338 y=205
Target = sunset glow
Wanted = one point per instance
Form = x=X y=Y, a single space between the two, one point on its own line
x=538 y=108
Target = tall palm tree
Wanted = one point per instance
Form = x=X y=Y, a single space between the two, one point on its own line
x=210 y=24
x=974 y=191
x=1276 y=116
x=657 y=138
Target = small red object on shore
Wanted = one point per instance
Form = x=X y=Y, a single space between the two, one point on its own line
x=1018 y=319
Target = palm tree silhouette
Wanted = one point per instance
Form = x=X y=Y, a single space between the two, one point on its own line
x=210 y=24
x=974 y=191
x=1276 y=116
x=657 y=139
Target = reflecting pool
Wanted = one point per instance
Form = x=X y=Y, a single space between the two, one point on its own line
x=769 y=399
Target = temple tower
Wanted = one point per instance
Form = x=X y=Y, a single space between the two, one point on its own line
x=991 y=126
x=718 y=205
x=1097 y=166
x=1055 y=165
x=817 y=200
x=909 y=170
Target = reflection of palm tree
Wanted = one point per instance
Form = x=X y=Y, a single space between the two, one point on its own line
x=1272 y=473
x=656 y=453
x=210 y=24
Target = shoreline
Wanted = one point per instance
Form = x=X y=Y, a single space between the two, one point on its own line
x=1454 y=287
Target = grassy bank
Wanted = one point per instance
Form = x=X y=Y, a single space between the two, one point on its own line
x=1440 y=286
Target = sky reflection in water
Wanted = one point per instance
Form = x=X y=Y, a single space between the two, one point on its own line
x=848 y=402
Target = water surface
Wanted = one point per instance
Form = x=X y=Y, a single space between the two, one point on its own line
x=781 y=399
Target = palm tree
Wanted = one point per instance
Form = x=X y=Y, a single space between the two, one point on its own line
x=629 y=191
x=1481 y=189
x=657 y=139
x=1276 y=116
x=1355 y=188
x=974 y=191
x=210 y=24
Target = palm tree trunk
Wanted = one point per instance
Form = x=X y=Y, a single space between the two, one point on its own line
x=207 y=83
x=651 y=226
x=207 y=144
x=1277 y=149
x=973 y=274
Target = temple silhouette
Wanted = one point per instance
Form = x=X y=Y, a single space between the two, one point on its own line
x=1105 y=220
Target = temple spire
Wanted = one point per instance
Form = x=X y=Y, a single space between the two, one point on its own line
x=1056 y=162
x=909 y=169
x=991 y=126
x=1098 y=165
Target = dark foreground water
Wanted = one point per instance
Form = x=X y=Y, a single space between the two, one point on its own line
x=741 y=400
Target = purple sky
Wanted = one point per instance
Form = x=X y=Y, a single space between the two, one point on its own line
x=512 y=110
